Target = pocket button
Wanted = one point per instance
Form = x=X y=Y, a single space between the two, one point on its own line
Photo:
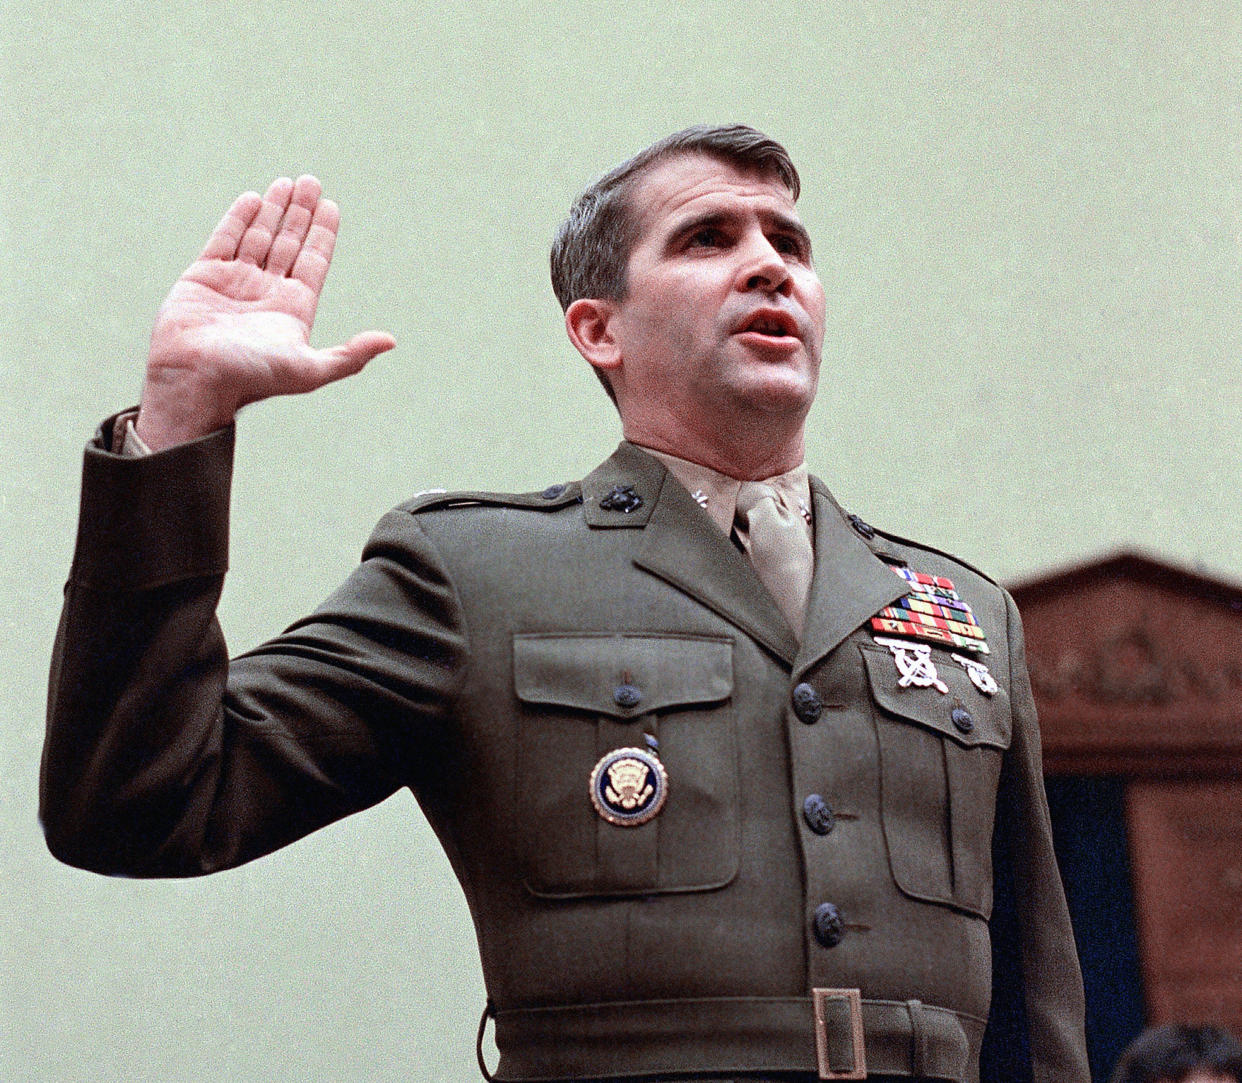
x=963 y=719
x=627 y=696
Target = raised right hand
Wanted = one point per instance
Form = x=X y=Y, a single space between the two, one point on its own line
x=236 y=326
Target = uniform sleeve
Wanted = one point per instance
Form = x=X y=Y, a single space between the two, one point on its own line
x=162 y=758
x=1043 y=964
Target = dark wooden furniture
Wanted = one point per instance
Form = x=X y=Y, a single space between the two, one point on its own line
x=1137 y=670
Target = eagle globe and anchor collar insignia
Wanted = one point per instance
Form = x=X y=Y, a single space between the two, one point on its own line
x=629 y=786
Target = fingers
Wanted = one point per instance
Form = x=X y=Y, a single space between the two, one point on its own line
x=223 y=242
x=295 y=224
x=257 y=240
x=351 y=356
x=289 y=230
x=311 y=265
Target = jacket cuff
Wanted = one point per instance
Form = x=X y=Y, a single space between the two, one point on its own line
x=157 y=519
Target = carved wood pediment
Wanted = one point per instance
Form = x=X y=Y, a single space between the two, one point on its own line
x=1136 y=667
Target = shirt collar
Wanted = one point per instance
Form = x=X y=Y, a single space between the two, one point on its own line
x=716 y=493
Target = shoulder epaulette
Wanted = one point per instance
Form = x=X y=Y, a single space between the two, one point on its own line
x=551 y=498
x=868 y=533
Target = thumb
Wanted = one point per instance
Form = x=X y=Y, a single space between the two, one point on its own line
x=350 y=357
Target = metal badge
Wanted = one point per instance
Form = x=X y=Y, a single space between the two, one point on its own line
x=621 y=498
x=980 y=676
x=914 y=664
x=629 y=786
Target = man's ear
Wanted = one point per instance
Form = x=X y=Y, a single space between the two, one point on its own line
x=588 y=322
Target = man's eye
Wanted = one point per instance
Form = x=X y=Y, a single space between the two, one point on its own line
x=707 y=238
x=788 y=246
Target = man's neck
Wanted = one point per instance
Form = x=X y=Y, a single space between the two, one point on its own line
x=742 y=459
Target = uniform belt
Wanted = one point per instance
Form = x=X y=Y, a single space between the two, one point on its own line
x=738 y=1034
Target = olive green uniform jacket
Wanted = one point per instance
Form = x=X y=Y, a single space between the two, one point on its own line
x=476 y=656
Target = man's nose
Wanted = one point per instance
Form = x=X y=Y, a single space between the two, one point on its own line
x=764 y=268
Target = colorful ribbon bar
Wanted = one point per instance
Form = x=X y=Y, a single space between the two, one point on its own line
x=922 y=577
x=962 y=628
x=933 y=612
x=955 y=611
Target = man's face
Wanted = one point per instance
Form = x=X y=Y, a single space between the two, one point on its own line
x=723 y=320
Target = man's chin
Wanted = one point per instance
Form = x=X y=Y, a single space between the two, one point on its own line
x=776 y=389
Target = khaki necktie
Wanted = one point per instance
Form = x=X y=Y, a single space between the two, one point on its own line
x=774 y=536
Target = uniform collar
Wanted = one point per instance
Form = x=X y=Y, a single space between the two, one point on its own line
x=716 y=493
x=634 y=491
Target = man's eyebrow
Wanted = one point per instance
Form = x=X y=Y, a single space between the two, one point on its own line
x=791 y=225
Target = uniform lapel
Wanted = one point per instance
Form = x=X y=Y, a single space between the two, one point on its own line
x=683 y=547
x=851 y=583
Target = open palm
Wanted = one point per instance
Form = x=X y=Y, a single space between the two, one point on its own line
x=236 y=326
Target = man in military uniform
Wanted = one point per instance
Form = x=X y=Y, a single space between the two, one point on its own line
x=762 y=750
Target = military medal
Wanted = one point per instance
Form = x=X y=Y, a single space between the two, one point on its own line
x=914 y=664
x=629 y=786
x=933 y=612
x=980 y=676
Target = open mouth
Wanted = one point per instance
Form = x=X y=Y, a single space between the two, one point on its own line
x=771 y=324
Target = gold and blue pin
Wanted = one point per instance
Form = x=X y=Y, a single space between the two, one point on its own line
x=629 y=786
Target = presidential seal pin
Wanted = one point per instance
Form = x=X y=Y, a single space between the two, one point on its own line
x=629 y=786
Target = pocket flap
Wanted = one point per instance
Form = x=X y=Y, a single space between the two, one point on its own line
x=622 y=675
x=963 y=714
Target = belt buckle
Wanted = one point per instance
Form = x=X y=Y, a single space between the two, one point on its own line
x=853 y=997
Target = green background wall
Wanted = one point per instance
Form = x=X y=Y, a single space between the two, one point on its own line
x=1027 y=217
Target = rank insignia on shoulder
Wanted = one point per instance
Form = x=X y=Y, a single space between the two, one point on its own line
x=629 y=786
x=933 y=612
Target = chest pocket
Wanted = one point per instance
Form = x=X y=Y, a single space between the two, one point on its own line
x=583 y=696
x=940 y=763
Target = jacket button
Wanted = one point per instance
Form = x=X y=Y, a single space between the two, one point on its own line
x=806 y=704
x=818 y=814
x=963 y=719
x=828 y=925
x=627 y=696
x=552 y=492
